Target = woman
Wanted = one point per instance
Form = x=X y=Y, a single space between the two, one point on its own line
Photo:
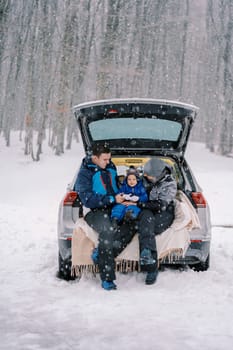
x=157 y=214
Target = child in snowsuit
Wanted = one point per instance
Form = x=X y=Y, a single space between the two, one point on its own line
x=133 y=192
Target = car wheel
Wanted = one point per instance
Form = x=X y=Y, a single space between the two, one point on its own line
x=64 y=269
x=202 y=265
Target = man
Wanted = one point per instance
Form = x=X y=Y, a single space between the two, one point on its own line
x=97 y=187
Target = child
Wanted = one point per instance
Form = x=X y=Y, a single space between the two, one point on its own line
x=133 y=191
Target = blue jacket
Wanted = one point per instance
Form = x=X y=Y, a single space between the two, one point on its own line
x=96 y=187
x=138 y=190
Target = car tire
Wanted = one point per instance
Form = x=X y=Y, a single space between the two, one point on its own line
x=202 y=265
x=64 y=269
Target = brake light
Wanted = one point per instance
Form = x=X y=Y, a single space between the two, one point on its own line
x=199 y=199
x=70 y=198
x=112 y=111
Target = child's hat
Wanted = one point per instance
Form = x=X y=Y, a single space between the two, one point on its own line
x=132 y=171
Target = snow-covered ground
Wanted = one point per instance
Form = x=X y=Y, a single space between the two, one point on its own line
x=183 y=310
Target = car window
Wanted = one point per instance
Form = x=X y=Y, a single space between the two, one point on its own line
x=138 y=128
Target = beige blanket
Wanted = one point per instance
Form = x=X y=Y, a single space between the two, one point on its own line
x=172 y=243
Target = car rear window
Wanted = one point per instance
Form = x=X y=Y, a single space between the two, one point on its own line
x=138 y=128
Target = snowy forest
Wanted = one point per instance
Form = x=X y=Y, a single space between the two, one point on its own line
x=55 y=54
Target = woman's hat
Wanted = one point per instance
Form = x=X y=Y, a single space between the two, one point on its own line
x=154 y=167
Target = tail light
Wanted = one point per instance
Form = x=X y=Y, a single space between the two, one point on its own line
x=112 y=111
x=199 y=199
x=70 y=198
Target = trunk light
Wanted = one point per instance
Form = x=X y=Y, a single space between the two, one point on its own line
x=112 y=111
x=70 y=197
x=199 y=199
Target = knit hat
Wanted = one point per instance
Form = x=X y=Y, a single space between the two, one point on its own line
x=154 y=167
x=132 y=171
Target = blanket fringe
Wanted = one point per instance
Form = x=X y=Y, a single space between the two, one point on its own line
x=172 y=256
x=79 y=270
x=125 y=266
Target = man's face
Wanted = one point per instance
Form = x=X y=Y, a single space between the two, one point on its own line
x=103 y=160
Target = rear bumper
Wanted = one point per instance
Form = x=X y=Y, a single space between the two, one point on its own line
x=196 y=253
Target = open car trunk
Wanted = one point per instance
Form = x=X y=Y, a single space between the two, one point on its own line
x=136 y=126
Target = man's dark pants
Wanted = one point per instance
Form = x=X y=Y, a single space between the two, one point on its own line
x=111 y=241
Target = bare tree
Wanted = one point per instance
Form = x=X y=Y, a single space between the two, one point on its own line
x=54 y=54
x=220 y=30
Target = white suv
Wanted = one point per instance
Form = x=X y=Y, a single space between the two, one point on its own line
x=137 y=130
